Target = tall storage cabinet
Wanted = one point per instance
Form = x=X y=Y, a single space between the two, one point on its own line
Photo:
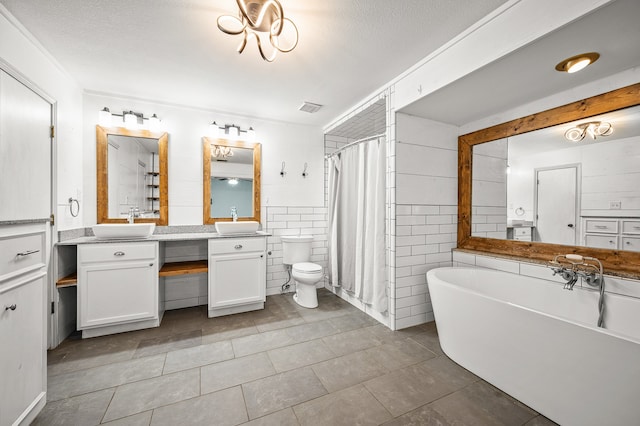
x=22 y=322
x=25 y=207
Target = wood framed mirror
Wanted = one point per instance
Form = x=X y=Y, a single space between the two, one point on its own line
x=616 y=261
x=132 y=172
x=231 y=179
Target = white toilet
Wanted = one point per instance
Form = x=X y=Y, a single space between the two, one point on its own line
x=297 y=252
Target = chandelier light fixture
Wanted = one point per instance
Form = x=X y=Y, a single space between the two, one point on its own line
x=263 y=20
x=592 y=128
x=221 y=152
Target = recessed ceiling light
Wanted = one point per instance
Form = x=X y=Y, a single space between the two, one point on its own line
x=578 y=62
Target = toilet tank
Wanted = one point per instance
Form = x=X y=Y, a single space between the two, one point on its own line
x=296 y=248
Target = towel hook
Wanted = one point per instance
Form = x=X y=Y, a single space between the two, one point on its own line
x=282 y=172
x=304 y=172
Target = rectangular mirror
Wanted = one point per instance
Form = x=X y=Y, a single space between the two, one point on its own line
x=560 y=181
x=231 y=180
x=131 y=174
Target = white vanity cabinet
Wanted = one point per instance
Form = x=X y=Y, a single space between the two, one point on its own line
x=612 y=233
x=237 y=275
x=118 y=287
x=22 y=323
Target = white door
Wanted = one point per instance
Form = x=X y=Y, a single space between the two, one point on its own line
x=25 y=152
x=556 y=205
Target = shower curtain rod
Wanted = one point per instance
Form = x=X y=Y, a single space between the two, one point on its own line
x=354 y=143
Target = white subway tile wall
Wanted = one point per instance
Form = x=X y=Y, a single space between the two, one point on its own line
x=425 y=212
x=613 y=285
x=489 y=197
x=419 y=248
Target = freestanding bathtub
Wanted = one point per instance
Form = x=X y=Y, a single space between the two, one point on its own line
x=539 y=343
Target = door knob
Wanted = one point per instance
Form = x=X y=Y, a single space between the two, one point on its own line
x=11 y=308
x=570 y=225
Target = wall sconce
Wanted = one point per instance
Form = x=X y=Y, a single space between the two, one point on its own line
x=231 y=131
x=130 y=119
x=592 y=128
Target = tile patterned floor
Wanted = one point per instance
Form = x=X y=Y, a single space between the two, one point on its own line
x=284 y=365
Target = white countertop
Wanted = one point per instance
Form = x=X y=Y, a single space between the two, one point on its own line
x=180 y=236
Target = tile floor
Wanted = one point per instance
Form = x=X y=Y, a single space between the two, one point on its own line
x=284 y=365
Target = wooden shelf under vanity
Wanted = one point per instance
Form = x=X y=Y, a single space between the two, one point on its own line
x=68 y=281
x=168 y=270
x=184 y=268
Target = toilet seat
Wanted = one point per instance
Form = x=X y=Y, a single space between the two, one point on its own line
x=306 y=267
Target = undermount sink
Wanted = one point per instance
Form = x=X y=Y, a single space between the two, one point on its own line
x=244 y=227
x=119 y=231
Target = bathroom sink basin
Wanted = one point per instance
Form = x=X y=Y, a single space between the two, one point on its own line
x=245 y=227
x=119 y=231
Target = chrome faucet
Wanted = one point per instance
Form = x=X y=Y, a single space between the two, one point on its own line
x=234 y=214
x=133 y=213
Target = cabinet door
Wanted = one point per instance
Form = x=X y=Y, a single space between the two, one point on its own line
x=23 y=346
x=236 y=279
x=117 y=293
x=25 y=152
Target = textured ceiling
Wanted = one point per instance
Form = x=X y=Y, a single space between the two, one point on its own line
x=529 y=73
x=171 y=50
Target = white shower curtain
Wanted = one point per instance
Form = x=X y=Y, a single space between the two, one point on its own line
x=357 y=222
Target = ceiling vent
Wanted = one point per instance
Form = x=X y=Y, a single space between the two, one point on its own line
x=310 y=107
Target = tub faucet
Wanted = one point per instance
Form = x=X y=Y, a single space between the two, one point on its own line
x=573 y=266
x=234 y=214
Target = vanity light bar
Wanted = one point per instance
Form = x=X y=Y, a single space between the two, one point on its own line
x=231 y=131
x=131 y=120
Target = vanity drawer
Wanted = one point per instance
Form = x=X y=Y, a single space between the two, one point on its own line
x=116 y=252
x=236 y=245
x=600 y=225
x=602 y=241
x=631 y=243
x=21 y=253
x=522 y=232
x=631 y=226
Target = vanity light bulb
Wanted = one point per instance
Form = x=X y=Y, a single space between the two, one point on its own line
x=251 y=134
x=130 y=121
x=214 y=130
x=233 y=132
x=154 y=123
x=104 y=117
x=233 y=181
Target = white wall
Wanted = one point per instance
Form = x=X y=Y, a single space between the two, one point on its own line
x=22 y=54
x=281 y=142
